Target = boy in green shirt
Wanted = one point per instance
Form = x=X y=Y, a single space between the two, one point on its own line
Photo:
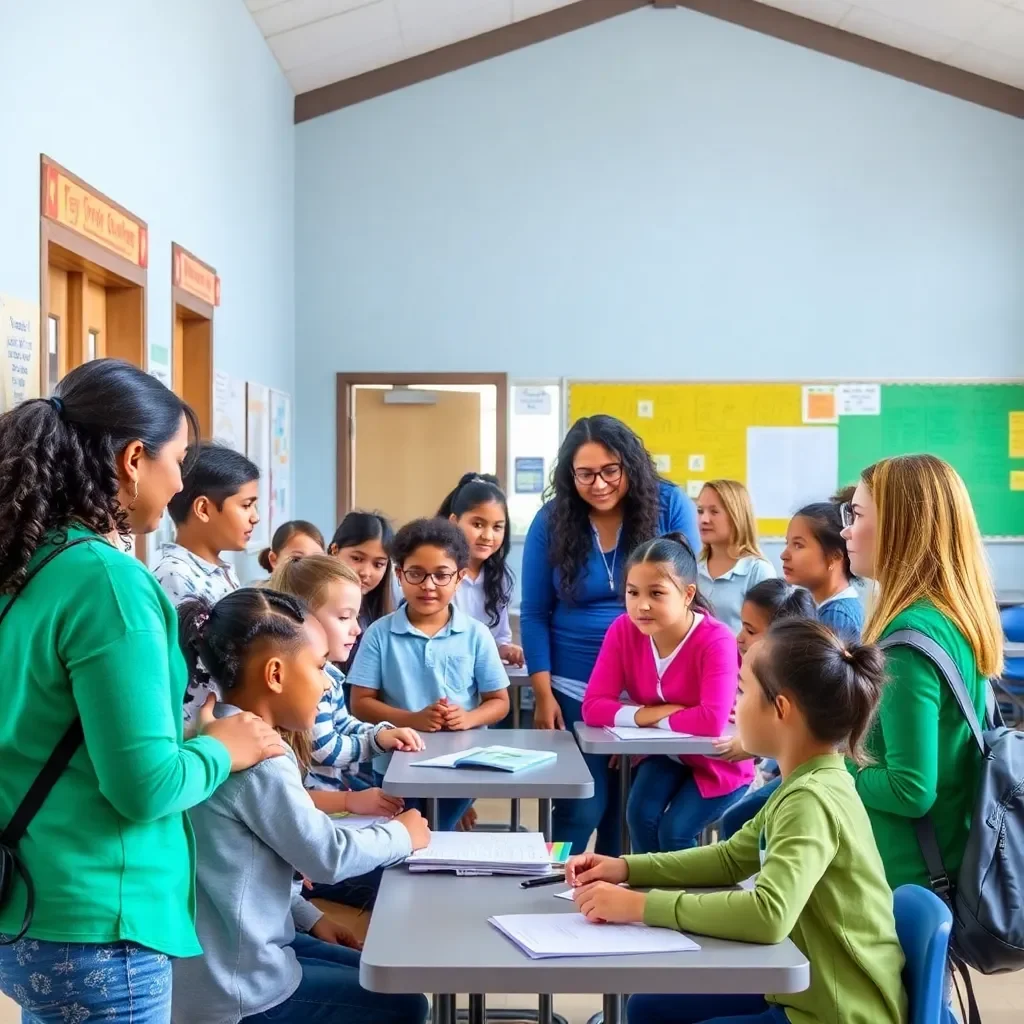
x=803 y=695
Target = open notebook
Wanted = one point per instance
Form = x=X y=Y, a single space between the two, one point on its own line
x=496 y=758
x=541 y=936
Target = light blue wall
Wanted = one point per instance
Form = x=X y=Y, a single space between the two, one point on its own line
x=178 y=111
x=661 y=195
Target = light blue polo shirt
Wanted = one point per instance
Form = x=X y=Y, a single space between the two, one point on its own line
x=727 y=592
x=412 y=671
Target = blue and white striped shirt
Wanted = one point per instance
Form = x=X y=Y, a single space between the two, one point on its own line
x=341 y=742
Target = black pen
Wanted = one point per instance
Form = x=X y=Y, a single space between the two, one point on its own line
x=532 y=883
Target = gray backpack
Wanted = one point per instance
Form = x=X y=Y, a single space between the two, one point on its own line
x=987 y=899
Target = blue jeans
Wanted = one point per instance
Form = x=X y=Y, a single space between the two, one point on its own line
x=741 y=812
x=666 y=811
x=728 y=1009
x=330 y=993
x=359 y=892
x=574 y=821
x=449 y=812
x=62 y=982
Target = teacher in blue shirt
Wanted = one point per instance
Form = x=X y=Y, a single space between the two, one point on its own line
x=605 y=499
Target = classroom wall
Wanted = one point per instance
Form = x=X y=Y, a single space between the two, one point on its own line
x=662 y=195
x=179 y=112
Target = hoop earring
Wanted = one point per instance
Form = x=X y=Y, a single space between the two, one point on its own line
x=135 y=497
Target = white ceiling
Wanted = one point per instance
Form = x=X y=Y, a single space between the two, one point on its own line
x=317 y=42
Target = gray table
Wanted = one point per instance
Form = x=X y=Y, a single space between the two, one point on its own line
x=517 y=679
x=430 y=931
x=1009 y=598
x=595 y=740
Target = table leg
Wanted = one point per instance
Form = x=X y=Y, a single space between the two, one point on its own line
x=544 y=818
x=433 y=814
x=477 y=1009
x=545 y=1009
x=625 y=769
x=614 y=1010
x=444 y=1009
x=516 y=718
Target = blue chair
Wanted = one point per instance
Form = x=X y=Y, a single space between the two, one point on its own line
x=1012 y=682
x=923 y=925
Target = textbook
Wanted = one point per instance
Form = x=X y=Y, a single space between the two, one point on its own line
x=499 y=759
x=483 y=853
x=549 y=935
x=635 y=732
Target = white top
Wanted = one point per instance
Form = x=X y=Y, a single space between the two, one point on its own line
x=470 y=598
x=726 y=592
x=627 y=715
x=850 y=591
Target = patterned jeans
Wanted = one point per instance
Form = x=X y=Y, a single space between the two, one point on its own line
x=73 y=983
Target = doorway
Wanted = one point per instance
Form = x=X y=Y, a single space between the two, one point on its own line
x=195 y=294
x=405 y=439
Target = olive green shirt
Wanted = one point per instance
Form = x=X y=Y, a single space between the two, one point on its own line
x=820 y=883
x=925 y=758
x=111 y=851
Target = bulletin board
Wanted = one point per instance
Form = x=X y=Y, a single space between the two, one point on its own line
x=792 y=443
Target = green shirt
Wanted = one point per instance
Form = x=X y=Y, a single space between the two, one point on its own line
x=111 y=851
x=925 y=759
x=821 y=883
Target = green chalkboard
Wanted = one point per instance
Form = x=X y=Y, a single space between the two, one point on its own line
x=968 y=425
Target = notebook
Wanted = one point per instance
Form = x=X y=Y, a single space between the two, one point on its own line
x=500 y=759
x=633 y=732
x=495 y=853
x=541 y=936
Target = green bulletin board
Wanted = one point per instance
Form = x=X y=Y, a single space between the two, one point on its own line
x=968 y=425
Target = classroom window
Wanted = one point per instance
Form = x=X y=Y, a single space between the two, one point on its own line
x=535 y=432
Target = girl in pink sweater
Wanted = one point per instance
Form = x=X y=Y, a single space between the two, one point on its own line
x=670 y=664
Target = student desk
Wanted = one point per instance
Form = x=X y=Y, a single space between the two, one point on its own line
x=596 y=740
x=430 y=932
x=517 y=679
x=1009 y=598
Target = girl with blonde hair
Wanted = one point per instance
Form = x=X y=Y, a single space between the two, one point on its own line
x=731 y=562
x=911 y=528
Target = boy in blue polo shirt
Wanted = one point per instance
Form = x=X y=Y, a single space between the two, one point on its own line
x=429 y=666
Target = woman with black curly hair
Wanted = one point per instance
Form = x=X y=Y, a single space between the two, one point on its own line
x=101 y=894
x=605 y=499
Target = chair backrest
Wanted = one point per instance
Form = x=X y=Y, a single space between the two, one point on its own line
x=1013 y=623
x=923 y=924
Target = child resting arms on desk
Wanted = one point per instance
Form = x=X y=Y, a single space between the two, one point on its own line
x=804 y=696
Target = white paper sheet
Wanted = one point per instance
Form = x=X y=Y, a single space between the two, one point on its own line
x=548 y=935
x=790 y=466
x=633 y=732
x=447 y=760
x=567 y=895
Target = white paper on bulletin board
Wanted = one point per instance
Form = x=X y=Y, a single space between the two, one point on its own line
x=257 y=447
x=19 y=351
x=788 y=467
x=280 y=459
x=229 y=411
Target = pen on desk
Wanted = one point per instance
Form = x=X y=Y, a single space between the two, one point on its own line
x=532 y=883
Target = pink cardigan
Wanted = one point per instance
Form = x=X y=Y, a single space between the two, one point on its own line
x=702 y=678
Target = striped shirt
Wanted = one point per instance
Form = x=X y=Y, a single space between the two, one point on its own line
x=341 y=742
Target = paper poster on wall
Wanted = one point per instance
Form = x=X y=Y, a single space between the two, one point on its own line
x=662 y=463
x=229 y=411
x=257 y=447
x=19 y=351
x=1017 y=479
x=645 y=409
x=695 y=463
x=529 y=476
x=819 y=406
x=160 y=364
x=859 y=399
x=1017 y=435
x=280 y=459
x=693 y=488
x=532 y=401
x=788 y=467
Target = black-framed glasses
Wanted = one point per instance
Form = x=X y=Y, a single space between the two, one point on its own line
x=610 y=474
x=846 y=514
x=417 y=577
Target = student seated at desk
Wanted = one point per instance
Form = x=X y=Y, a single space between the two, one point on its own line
x=677 y=665
x=267 y=953
x=429 y=666
x=804 y=697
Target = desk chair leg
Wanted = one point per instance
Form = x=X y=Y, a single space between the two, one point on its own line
x=625 y=773
x=477 y=1009
x=614 y=1011
x=444 y=1009
x=544 y=819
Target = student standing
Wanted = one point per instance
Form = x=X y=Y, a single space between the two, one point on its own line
x=479 y=508
x=678 y=667
x=804 y=697
x=429 y=666
x=93 y=637
x=911 y=529
x=815 y=557
x=731 y=561
x=605 y=499
x=294 y=539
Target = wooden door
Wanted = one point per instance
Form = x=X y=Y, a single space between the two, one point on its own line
x=408 y=457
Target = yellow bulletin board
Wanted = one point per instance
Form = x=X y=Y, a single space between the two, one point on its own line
x=797 y=442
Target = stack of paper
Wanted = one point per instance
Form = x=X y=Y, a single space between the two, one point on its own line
x=484 y=853
x=548 y=935
x=635 y=732
x=496 y=758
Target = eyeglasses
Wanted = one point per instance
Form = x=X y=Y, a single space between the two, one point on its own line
x=846 y=513
x=610 y=474
x=417 y=577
